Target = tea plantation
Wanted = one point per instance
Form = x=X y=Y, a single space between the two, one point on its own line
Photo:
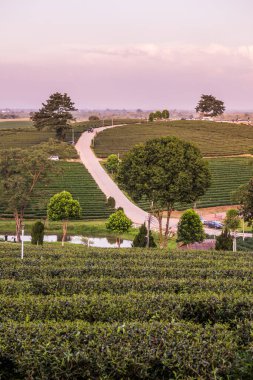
x=125 y=314
x=213 y=139
x=227 y=175
x=72 y=177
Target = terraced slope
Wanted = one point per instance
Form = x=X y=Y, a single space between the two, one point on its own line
x=213 y=139
x=125 y=314
x=74 y=178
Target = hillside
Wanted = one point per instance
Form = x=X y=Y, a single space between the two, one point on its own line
x=96 y=313
x=213 y=139
x=72 y=177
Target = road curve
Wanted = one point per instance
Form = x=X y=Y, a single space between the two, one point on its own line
x=110 y=189
x=103 y=180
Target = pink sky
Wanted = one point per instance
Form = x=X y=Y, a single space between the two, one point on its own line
x=114 y=55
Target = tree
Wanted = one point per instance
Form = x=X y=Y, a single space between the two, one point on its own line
x=232 y=223
x=224 y=241
x=38 y=233
x=151 y=117
x=164 y=171
x=93 y=118
x=63 y=207
x=55 y=115
x=165 y=114
x=190 y=228
x=112 y=163
x=210 y=106
x=158 y=115
x=118 y=222
x=140 y=239
x=111 y=202
x=20 y=173
x=244 y=196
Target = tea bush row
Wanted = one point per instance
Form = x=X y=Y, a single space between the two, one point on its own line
x=173 y=350
x=89 y=285
x=204 y=307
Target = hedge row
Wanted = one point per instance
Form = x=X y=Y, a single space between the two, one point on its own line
x=89 y=285
x=204 y=307
x=124 y=351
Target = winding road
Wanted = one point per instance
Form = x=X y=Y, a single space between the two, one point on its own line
x=106 y=184
x=110 y=189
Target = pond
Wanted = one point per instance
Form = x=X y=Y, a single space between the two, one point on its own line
x=91 y=241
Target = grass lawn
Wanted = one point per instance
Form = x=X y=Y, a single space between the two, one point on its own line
x=89 y=228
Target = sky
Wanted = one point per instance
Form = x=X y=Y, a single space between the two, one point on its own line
x=130 y=54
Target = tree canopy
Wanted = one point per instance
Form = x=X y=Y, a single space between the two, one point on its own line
x=159 y=115
x=164 y=171
x=112 y=163
x=118 y=222
x=20 y=173
x=210 y=106
x=190 y=228
x=140 y=239
x=244 y=196
x=55 y=115
x=63 y=207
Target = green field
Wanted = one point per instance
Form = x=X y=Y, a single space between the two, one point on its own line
x=125 y=314
x=73 y=177
x=16 y=124
x=21 y=134
x=213 y=139
x=227 y=175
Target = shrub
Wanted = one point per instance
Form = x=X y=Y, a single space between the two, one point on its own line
x=37 y=233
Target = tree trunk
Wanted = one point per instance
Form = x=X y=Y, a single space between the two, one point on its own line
x=19 y=221
x=64 y=230
x=118 y=242
x=166 y=233
x=160 y=222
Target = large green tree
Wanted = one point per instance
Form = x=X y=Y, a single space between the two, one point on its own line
x=20 y=173
x=164 y=171
x=208 y=105
x=190 y=228
x=55 y=115
x=63 y=207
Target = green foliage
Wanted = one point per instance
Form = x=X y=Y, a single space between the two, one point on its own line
x=158 y=115
x=224 y=242
x=111 y=202
x=232 y=220
x=165 y=114
x=140 y=239
x=55 y=114
x=112 y=163
x=245 y=199
x=72 y=177
x=20 y=173
x=62 y=206
x=210 y=106
x=93 y=118
x=96 y=313
x=59 y=148
x=122 y=139
x=151 y=117
x=118 y=222
x=190 y=228
x=164 y=171
x=37 y=233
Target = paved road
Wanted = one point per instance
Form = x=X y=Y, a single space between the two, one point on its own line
x=110 y=189
x=106 y=184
